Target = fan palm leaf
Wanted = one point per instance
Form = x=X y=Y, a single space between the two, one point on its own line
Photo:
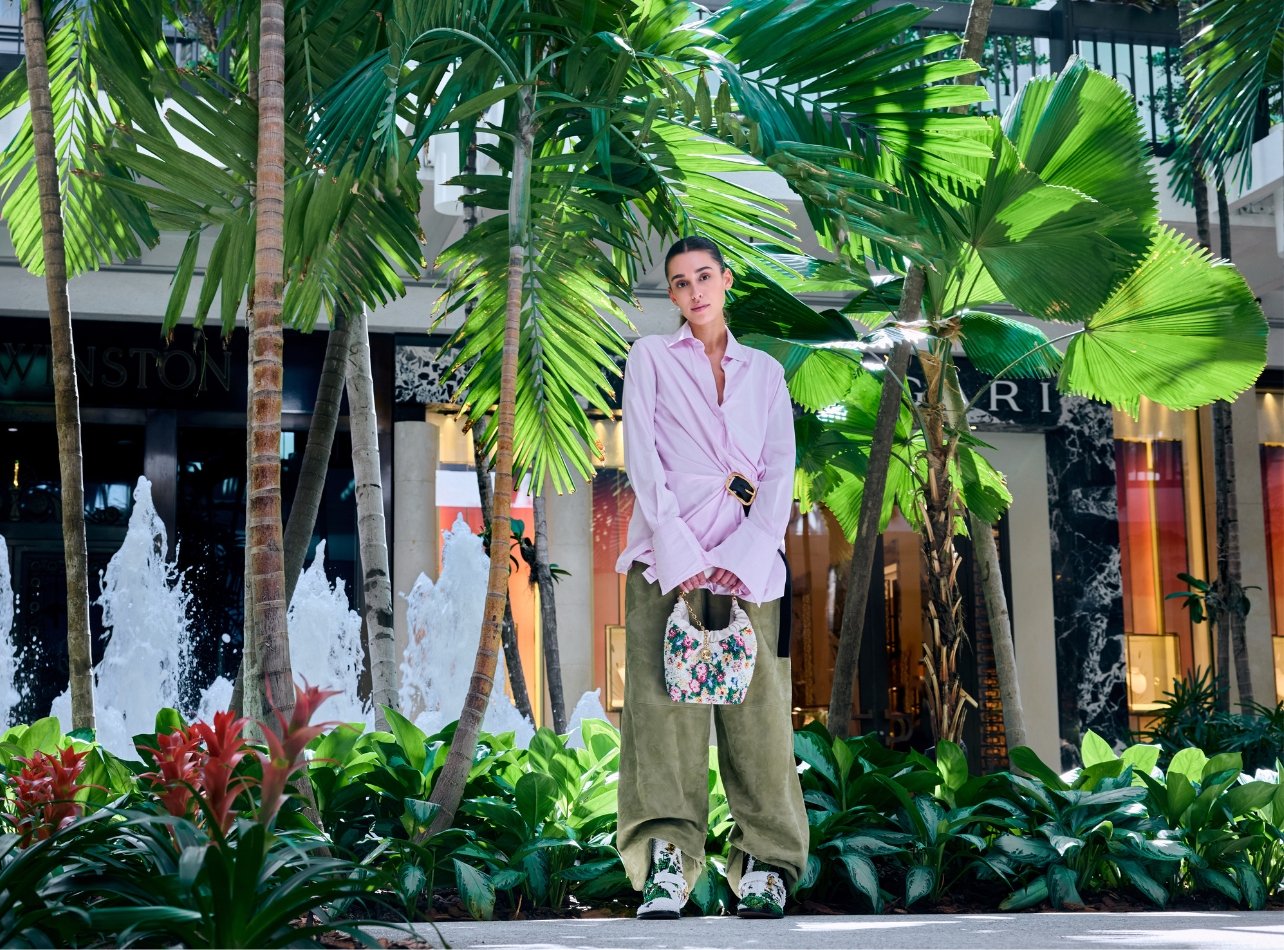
x=1081 y=130
x=1182 y=330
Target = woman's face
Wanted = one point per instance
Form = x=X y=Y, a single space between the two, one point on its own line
x=698 y=286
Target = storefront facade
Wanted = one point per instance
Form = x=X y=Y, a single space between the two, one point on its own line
x=174 y=413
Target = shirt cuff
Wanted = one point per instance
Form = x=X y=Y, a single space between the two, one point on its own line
x=678 y=554
x=750 y=554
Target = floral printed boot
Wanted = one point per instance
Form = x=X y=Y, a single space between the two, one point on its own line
x=762 y=890
x=665 y=892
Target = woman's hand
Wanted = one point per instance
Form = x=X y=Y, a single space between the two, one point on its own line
x=692 y=582
x=721 y=577
x=725 y=579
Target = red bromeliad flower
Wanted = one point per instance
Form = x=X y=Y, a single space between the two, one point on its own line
x=45 y=791
x=178 y=761
x=286 y=744
x=225 y=747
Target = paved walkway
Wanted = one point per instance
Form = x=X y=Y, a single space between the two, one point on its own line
x=1263 y=930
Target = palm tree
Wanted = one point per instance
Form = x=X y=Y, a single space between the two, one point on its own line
x=542 y=577
x=297 y=538
x=263 y=529
x=376 y=578
x=345 y=243
x=1227 y=50
x=66 y=397
x=880 y=452
x=1063 y=226
x=63 y=220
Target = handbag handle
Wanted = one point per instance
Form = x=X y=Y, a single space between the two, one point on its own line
x=691 y=614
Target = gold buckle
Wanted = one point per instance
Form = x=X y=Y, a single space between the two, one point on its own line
x=753 y=489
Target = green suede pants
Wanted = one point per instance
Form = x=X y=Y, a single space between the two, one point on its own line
x=664 y=747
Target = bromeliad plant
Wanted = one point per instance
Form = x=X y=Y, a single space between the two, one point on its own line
x=197 y=852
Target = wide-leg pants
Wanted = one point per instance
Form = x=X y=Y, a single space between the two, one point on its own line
x=664 y=747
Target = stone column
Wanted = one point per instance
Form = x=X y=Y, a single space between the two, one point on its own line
x=1023 y=459
x=570 y=544
x=1252 y=548
x=416 y=536
x=1087 y=586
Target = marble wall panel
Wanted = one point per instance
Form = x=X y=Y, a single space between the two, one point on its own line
x=1087 y=587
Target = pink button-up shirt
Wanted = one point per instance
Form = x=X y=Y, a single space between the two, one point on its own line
x=680 y=445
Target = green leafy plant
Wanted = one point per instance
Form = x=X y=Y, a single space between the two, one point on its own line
x=1202 y=802
x=1192 y=715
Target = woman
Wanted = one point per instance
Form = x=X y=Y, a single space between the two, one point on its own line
x=708 y=429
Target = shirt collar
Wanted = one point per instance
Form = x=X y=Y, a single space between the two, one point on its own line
x=735 y=349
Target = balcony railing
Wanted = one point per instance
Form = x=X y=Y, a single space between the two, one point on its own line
x=183 y=48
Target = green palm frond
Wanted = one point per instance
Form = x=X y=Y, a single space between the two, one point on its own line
x=1181 y=330
x=440 y=54
x=868 y=71
x=348 y=241
x=99 y=56
x=1037 y=246
x=983 y=488
x=1229 y=60
x=1081 y=130
x=818 y=376
x=844 y=203
x=1007 y=349
x=569 y=347
x=833 y=456
x=691 y=190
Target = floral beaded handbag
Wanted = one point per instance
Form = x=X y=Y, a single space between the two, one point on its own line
x=708 y=666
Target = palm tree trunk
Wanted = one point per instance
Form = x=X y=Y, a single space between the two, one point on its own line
x=316 y=455
x=871 y=510
x=310 y=489
x=986 y=552
x=66 y=395
x=449 y=787
x=975 y=32
x=508 y=633
x=371 y=533
x=947 y=700
x=481 y=467
x=263 y=515
x=1225 y=586
x=1223 y=217
x=1231 y=599
x=548 y=618
x=1229 y=571
x=248 y=704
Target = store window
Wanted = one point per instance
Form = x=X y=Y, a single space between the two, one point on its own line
x=1160 y=527
x=31 y=529
x=458 y=497
x=1270 y=416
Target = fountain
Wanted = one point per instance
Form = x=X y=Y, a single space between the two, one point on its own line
x=589 y=707
x=10 y=695
x=444 y=620
x=147 y=659
x=325 y=641
x=146 y=664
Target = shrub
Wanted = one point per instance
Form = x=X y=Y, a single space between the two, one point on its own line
x=1193 y=716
